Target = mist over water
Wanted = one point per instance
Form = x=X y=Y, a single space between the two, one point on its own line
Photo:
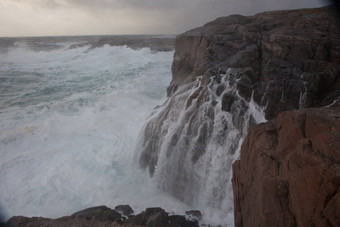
x=69 y=120
x=191 y=141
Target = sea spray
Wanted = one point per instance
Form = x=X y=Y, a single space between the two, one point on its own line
x=190 y=142
x=69 y=119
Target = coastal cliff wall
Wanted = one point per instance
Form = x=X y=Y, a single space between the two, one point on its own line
x=288 y=173
x=228 y=76
x=288 y=59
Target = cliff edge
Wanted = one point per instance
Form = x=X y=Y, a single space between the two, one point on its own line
x=288 y=172
x=288 y=59
x=230 y=75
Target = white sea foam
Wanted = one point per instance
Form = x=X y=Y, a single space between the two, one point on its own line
x=189 y=144
x=69 y=119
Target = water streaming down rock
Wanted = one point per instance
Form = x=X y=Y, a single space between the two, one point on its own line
x=222 y=72
x=190 y=142
x=282 y=60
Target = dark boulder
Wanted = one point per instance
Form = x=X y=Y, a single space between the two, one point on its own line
x=154 y=217
x=194 y=214
x=104 y=216
x=101 y=213
x=125 y=210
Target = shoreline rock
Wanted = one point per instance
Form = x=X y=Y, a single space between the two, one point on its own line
x=105 y=216
x=289 y=171
x=223 y=75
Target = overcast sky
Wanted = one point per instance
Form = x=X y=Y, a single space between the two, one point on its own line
x=97 y=17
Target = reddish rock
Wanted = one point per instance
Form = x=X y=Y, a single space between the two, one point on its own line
x=289 y=171
x=284 y=60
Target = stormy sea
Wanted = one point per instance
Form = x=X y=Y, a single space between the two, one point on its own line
x=78 y=118
x=70 y=112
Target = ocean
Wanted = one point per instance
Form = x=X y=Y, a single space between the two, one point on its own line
x=71 y=110
x=85 y=121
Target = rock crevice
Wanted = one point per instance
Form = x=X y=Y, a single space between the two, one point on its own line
x=296 y=182
x=226 y=75
x=291 y=58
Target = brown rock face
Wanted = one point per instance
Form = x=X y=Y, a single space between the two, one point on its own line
x=289 y=171
x=288 y=59
x=281 y=60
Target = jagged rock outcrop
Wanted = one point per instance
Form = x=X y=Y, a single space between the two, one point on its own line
x=289 y=171
x=288 y=59
x=104 y=216
x=228 y=75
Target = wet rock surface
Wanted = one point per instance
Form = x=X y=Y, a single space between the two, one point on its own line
x=153 y=217
x=288 y=173
x=286 y=59
x=101 y=213
x=226 y=76
x=124 y=210
x=104 y=216
x=194 y=214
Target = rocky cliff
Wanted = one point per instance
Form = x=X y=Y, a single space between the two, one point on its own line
x=289 y=171
x=229 y=75
x=286 y=59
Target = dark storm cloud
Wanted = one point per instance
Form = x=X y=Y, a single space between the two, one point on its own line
x=177 y=10
x=256 y=5
x=247 y=6
x=114 y=4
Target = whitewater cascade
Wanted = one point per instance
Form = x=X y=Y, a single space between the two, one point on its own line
x=190 y=142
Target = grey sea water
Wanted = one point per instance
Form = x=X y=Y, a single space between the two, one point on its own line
x=70 y=112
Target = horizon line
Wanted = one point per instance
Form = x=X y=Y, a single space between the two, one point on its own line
x=61 y=36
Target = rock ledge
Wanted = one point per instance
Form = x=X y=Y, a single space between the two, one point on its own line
x=104 y=216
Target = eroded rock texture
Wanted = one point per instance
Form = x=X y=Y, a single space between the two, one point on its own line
x=289 y=171
x=289 y=59
x=224 y=74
